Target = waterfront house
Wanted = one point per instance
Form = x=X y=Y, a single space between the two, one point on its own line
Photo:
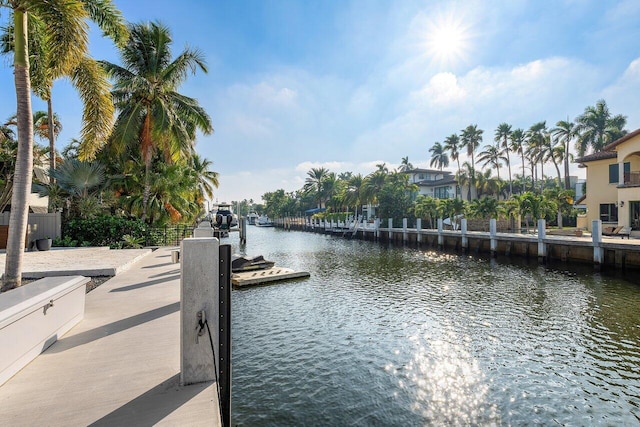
x=613 y=183
x=434 y=183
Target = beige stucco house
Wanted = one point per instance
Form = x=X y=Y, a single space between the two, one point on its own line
x=613 y=183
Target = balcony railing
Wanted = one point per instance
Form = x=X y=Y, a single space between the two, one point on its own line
x=632 y=178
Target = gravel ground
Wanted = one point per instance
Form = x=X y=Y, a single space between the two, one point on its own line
x=96 y=281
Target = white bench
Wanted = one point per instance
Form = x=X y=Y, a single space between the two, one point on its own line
x=34 y=316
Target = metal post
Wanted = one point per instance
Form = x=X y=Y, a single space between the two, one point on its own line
x=542 y=234
x=492 y=235
x=224 y=338
x=596 y=236
x=463 y=231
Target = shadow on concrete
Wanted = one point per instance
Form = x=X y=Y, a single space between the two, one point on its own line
x=145 y=284
x=150 y=408
x=112 y=328
x=166 y=273
x=157 y=265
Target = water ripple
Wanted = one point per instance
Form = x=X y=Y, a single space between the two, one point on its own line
x=384 y=336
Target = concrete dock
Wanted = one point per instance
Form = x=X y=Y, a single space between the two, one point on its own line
x=120 y=366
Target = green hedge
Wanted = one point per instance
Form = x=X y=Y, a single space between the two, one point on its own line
x=103 y=230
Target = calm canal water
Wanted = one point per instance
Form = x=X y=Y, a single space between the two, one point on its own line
x=393 y=336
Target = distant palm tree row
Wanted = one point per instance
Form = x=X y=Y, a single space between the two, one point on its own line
x=536 y=147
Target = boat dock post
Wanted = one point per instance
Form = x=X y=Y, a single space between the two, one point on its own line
x=242 y=224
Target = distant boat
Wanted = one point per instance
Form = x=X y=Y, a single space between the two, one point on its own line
x=252 y=218
x=264 y=221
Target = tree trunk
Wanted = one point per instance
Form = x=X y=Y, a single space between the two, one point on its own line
x=146 y=191
x=52 y=140
x=567 y=181
x=24 y=160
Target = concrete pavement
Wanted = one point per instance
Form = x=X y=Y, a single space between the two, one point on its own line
x=120 y=365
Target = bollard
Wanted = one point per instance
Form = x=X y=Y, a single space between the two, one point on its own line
x=465 y=239
x=440 y=236
x=419 y=230
x=175 y=256
x=542 y=234
x=596 y=236
x=493 y=247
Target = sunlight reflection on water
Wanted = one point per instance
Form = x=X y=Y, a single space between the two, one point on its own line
x=384 y=336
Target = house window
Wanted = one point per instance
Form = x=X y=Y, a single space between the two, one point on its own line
x=420 y=176
x=613 y=172
x=441 y=193
x=608 y=212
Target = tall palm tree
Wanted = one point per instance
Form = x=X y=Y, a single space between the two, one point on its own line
x=492 y=156
x=503 y=132
x=82 y=71
x=313 y=183
x=452 y=145
x=516 y=143
x=554 y=152
x=565 y=131
x=152 y=115
x=597 y=127
x=471 y=138
x=65 y=34
x=535 y=148
x=205 y=178
x=355 y=186
x=405 y=165
x=373 y=183
x=439 y=156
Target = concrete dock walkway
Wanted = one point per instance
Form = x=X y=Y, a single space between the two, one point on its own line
x=121 y=365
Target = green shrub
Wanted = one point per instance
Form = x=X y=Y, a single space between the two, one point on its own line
x=104 y=230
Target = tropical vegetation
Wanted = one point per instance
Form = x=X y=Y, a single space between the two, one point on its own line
x=141 y=168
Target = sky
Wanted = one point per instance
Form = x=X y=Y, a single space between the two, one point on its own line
x=346 y=85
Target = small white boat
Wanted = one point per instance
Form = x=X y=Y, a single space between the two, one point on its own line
x=264 y=221
x=252 y=218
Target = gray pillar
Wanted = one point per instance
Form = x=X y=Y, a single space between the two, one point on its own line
x=199 y=275
x=376 y=224
x=419 y=230
x=542 y=234
x=596 y=236
x=390 y=223
x=404 y=229
x=492 y=236
x=203 y=230
x=440 y=237
x=463 y=230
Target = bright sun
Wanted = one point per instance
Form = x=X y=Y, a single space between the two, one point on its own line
x=447 y=41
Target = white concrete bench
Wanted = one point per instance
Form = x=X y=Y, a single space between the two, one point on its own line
x=34 y=316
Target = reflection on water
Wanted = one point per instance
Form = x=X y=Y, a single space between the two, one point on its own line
x=397 y=336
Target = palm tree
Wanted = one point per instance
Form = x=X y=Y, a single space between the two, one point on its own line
x=553 y=152
x=205 y=178
x=535 y=148
x=503 y=132
x=492 y=156
x=597 y=127
x=353 y=196
x=82 y=71
x=373 y=183
x=438 y=156
x=313 y=183
x=471 y=137
x=452 y=145
x=405 y=165
x=152 y=115
x=65 y=33
x=516 y=143
x=565 y=131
